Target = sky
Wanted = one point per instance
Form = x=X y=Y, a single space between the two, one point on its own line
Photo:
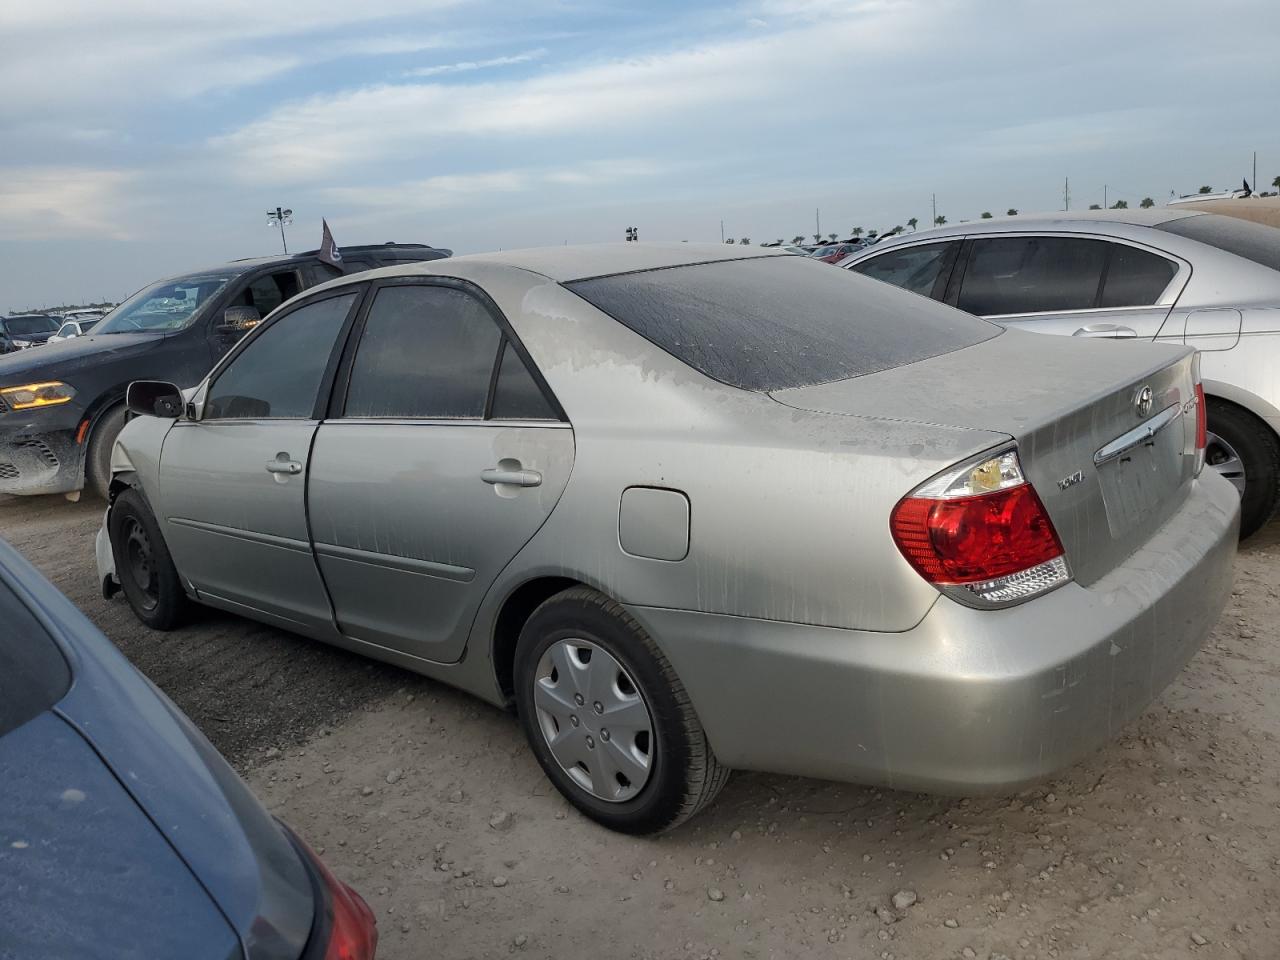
x=142 y=138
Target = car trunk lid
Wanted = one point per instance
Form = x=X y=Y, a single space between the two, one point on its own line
x=1109 y=468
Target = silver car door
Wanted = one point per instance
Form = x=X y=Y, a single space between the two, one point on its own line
x=447 y=457
x=233 y=482
x=1069 y=285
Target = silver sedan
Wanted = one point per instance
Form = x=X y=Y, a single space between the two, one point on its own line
x=691 y=509
x=1174 y=275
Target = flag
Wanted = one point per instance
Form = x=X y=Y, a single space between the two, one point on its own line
x=329 y=252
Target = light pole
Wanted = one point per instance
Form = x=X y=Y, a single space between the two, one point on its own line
x=278 y=218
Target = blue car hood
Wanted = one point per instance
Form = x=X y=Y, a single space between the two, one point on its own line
x=240 y=854
x=89 y=870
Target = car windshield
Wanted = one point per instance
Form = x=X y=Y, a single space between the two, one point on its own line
x=770 y=323
x=26 y=326
x=824 y=251
x=170 y=305
x=1244 y=238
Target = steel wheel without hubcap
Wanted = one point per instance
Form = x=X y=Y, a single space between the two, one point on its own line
x=1222 y=457
x=594 y=720
x=137 y=547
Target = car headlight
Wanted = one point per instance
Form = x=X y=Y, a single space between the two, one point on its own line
x=31 y=395
x=22 y=344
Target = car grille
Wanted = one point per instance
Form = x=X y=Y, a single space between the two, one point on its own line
x=4 y=407
x=43 y=451
x=8 y=471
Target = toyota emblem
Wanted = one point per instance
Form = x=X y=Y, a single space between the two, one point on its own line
x=1142 y=401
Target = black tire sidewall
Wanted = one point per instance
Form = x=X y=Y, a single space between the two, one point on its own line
x=660 y=800
x=1260 y=453
x=97 y=467
x=172 y=603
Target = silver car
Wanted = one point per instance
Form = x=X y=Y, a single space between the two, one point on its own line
x=1174 y=275
x=692 y=509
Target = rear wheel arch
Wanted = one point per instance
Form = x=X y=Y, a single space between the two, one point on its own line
x=512 y=616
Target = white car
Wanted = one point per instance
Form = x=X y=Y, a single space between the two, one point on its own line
x=75 y=328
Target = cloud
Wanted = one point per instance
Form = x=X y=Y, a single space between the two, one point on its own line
x=42 y=203
x=467 y=66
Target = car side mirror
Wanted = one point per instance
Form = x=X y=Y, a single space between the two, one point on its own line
x=154 y=398
x=239 y=320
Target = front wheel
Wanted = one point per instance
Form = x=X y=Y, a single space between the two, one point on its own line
x=1246 y=452
x=607 y=718
x=143 y=566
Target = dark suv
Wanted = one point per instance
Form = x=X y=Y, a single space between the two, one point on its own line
x=29 y=330
x=62 y=405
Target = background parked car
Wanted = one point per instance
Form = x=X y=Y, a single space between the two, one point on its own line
x=1174 y=275
x=74 y=328
x=62 y=406
x=530 y=475
x=123 y=833
x=834 y=252
x=26 y=330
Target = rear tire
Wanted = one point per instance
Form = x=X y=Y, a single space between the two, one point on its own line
x=143 y=565
x=1259 y=453
x=97 y=465
x=676 y=775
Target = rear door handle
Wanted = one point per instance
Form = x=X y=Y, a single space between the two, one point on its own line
x=1111 y=330
x=282 y=464
x=516 y=478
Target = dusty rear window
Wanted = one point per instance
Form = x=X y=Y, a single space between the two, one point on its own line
x=771 y=323
x=1244 y=238
x=33 y=674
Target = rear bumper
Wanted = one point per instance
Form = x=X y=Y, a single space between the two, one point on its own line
x=968 y=701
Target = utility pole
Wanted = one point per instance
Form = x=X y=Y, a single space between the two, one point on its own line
x=278 y=218
x=722 y=231
x=1066 y=193
x=817 y=224
x=1254 y=181
x=1104 y=196
x=934 y=201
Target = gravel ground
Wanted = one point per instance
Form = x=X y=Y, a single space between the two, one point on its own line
x=1163 y=845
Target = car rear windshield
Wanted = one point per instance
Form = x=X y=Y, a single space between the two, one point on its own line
x=33 y=674
x=1244 y=238
x=771 y=323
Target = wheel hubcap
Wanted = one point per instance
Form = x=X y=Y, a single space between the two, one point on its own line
x=606 y=749
x=137 y=549
x=1222 y=457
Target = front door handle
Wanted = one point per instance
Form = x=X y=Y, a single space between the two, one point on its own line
x=282 y=464
x=515 y=478
x=1112 y=331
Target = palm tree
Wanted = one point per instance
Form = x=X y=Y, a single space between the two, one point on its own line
x=1120 y=205
x=778 y=242
x=1147 y=203
x=986 y=214
x=1095 y=206
x=798 y=239
x=1276 y=183
x=745 y=240
x=817 y=238
x=856 y=232
x=1011 y=212
x=896 y=230
x=913 y=221
x=832 y=236
x=1206 y=189
x=939 y=220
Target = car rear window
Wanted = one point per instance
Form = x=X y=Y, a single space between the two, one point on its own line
x=1244 y=238
x=33 y=674
x=771 y=323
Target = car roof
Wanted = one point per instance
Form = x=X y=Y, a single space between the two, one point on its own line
x=1058 y=220
x=580 y=262
x=389 y=251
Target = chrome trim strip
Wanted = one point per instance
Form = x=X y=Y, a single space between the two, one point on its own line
x=1136 y=437
x=251 y=536
x=428 y=568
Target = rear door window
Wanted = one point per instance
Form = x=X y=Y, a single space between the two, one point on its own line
x=427 y=352
x=771 y=323
x=1135 y=278
x=1016 y=275
x=922 y=269
x=516 y=395
x=33 y=673
x=267 y=292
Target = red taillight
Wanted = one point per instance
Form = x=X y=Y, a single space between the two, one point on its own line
x=995 y=547
x=352 y=931
x=1202 y=418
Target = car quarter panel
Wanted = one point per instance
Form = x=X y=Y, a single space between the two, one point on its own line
x=969 y=700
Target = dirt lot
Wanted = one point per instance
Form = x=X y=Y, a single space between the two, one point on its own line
x=1165 y=844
